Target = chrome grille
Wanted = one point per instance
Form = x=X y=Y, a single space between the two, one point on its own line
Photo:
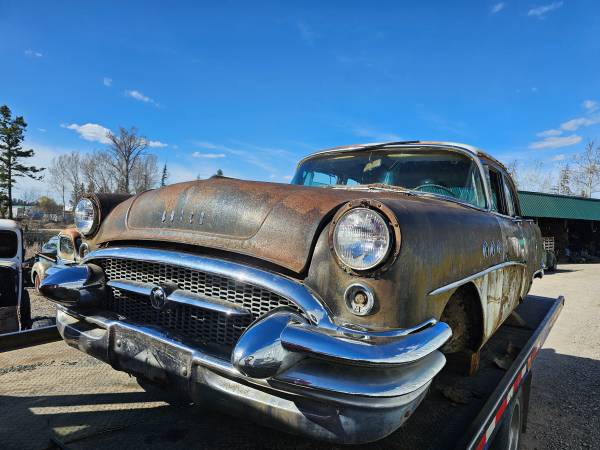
x=207 y=327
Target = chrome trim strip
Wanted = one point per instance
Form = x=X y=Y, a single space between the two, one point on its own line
x=205 y=302
x=182 y=296
x=473 y=277
x=292 y=290
x=134 y=287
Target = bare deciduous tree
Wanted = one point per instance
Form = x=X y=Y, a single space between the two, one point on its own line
x=586 y=169
x=145 y=174
x=99 y=172
x=59 y=178
x=126 y=149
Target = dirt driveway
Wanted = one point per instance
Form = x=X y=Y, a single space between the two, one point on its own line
x=565 y=401
x=53 y=393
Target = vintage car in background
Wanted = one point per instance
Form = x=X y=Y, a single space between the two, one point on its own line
x=64 y=249
x=324 y=307
x=15 y=309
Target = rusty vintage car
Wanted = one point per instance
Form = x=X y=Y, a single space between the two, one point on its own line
x=324 y=307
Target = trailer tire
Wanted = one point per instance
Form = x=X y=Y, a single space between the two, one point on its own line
x=509 y=435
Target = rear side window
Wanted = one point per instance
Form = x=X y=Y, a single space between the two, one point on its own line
x=510 y=202
x=9 y=244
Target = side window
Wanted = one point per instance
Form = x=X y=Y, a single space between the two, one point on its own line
x=510 y=200
x=499 y=203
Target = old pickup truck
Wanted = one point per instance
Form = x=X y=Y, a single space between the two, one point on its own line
x=15 y=308
x=324 y=307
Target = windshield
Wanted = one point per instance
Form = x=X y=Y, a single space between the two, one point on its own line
x=9 y=244
x=442 y=173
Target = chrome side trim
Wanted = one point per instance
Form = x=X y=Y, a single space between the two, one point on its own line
x=473 y=277
x=182 y=296
x=292 y=290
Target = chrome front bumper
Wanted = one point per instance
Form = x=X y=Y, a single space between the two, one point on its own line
x=342 y=402
x=302 y=373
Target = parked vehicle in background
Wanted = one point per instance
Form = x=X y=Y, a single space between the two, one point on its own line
x=325 y=307
x=50 y=247
x=63 y=249
x=15 y=309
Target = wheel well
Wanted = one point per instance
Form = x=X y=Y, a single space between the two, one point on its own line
x=463 y=312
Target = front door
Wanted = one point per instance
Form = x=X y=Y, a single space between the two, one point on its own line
x=509 y=278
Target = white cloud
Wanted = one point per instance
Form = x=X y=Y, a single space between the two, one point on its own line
x=33 y=54
x=498 y=7
x=590 y=105
x=555 y=142
x=208 y=155
x=107 y=81
x=43 y=130
x=378 y=135
x=542 y=10
x=137 y=95
x=574 y=124
x=306 y=33
x=560 y=157
x=157 y=144
x=548 y=133
x=90 y=132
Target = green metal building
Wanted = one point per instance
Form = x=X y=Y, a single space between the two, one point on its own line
x=574 y=222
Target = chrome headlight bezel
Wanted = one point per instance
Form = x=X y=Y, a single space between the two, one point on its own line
x=393 y=238
x=86 y=216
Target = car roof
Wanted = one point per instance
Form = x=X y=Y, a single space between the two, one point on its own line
x=399 y=144
x=8 y=224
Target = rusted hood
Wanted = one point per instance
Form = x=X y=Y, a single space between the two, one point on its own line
x=269 y=221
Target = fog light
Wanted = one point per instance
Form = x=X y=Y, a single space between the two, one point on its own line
x=359 y=299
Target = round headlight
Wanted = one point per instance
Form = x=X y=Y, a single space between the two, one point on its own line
x=85 y=216
x=361 y=239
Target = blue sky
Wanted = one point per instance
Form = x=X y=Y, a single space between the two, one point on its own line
x=251 y=88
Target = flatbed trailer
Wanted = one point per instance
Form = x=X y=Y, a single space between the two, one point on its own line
x=486 y=410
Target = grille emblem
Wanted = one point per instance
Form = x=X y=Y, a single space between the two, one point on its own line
x=158 y=298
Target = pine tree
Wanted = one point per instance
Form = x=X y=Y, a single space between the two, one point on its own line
x=219 y=173
x=12 y=134
x=564 y=186
x=164 y=177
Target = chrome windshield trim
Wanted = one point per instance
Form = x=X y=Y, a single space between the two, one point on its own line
x=290 y=289
x=473 y=277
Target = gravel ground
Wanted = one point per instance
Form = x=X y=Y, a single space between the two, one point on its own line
x=84 y=403
x=565 y=399
x=43 y=312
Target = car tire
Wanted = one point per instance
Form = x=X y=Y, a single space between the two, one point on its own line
x=509 y=435
x=25 y=311
x=36 y=283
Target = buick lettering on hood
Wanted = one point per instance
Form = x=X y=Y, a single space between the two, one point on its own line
x=323 y=307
